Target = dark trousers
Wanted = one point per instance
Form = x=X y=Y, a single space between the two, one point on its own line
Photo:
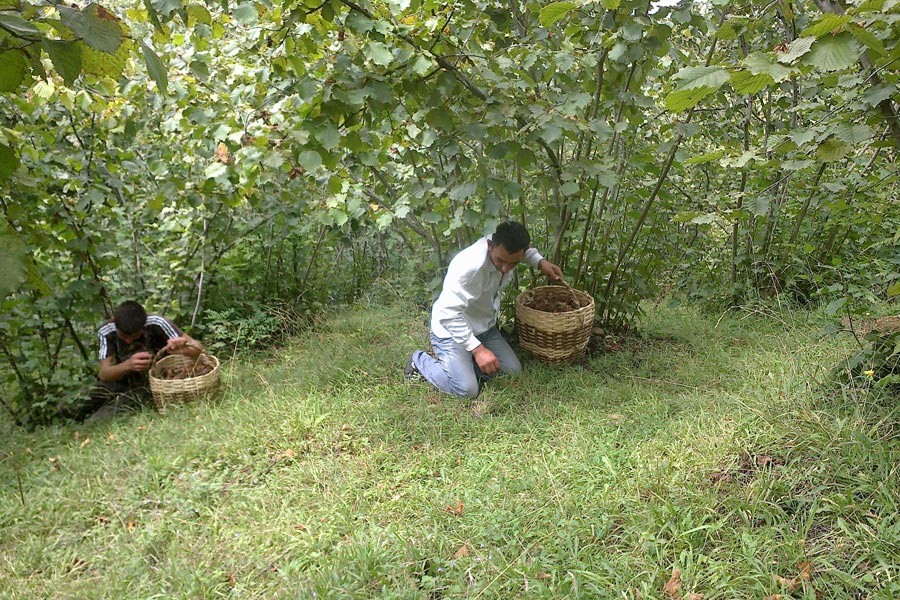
x=109 y=399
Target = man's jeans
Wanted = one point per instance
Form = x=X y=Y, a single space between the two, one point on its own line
x=453 y=370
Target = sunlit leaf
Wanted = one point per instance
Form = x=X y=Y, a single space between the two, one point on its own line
x=461 y=192
x=555 y=11
x=833 y=53
x=826 y=24
x=745 y=82
x=835 y=305
x=156 y=68
x=795 y=50
x=686 y=99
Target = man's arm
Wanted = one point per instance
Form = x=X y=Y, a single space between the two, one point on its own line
x=109 y=372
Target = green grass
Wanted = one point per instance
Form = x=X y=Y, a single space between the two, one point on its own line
x=708 y=447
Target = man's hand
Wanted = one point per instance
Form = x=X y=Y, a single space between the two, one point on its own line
x=176 y=344
x=486 y=360
x=550 y=270
x=183 y=345
x=139 y=361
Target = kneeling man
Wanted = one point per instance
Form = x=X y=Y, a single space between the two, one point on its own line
x=467 y=345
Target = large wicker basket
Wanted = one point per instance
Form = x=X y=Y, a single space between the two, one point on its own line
x=554 y=337
x=169 y=392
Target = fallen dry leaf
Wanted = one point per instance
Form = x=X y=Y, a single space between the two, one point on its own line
x=543 y=575
x=695 y=596
x=462 y=551
x=85 y=443
x=789 y=584
x=111 y=436
x=54 y=463
x=806 y=570
x=76 y=436
x=774 y=597
x=455 y=510
x=287 y=454
x=222 y=154
x=673 y=584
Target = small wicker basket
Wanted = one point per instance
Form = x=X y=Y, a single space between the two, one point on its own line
x=554 y=337
x=169 y=392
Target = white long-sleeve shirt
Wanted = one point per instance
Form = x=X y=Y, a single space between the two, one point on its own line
x=470 y=299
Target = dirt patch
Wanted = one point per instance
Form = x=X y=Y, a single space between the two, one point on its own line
x=746 y=468
x=862 y=327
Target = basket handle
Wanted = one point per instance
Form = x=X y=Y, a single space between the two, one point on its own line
x=571 y=291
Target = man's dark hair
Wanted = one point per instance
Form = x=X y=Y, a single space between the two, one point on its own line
x=512 y=236
x=130 y=317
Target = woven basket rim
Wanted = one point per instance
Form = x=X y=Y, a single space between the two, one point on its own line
x=531 y=292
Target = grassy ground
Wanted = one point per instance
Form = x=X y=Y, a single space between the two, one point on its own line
x=702 y=460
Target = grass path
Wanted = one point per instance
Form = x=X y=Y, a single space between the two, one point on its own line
x=708 y=448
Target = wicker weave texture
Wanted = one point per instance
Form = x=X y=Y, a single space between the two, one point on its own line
x=554 y=337
x=170 y=392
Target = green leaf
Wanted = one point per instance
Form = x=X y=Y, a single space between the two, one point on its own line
x=879 y=93
x=853 y=134
x=103 y=64
x=13 y=261
x=833 y=53
x=555 y=11
x=686 y=99
x=835 y=305
x=691 y=78
x=795 y=50
x=9 y=162
x=156 y=68
x=893 y=290
x=166 y=7
x=570 y=188
x=378 y=53
x=197 y=13
x=246 y=13
x=868 y=39
x=66 y=58
x=99 y=28
x=310 y=160
x=328 y=136
x=610 y=4
x=760 y=64
x=827 y=23
x=704 y=158
x=461 y=192
x=745 y=82
x=831 y=150
x=13 y=69
x=18 y=26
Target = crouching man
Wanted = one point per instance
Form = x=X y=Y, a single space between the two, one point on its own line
x=128 y=344
x=467 y=345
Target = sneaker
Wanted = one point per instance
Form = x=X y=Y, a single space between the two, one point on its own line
x=412 y=373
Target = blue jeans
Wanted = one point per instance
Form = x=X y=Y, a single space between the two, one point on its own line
x=454 y=371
